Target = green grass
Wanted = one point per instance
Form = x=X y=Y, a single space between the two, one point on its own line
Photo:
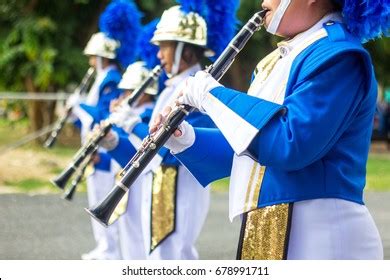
x=32 y=185
x=58 y=150
x=29 y=184
x=12 y=131
x=378 y=172
x=220 y=185
x=378 y=166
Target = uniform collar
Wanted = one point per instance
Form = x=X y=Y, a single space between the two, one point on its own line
x=287 y=46
x=178 y=78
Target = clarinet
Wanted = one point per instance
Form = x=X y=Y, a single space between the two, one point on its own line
x=104 y=128
x=151 y=144
x=50 y=141
x=68 y=195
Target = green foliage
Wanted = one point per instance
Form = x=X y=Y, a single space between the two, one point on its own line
x=154 y=8
x=380 y=53
x=262 y=43
x=27 y=51
x=44 y=39
x=41 y=42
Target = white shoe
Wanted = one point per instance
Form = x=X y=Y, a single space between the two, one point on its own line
x=93 y=255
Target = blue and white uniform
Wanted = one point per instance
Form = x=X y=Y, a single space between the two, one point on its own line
x=100 y=182
x=189 y=217
x=131 y=238
x=300 y=136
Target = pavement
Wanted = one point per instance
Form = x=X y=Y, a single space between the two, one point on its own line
x=45 y=227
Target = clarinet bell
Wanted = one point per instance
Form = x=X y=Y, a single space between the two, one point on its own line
x=68 y=195
x=61 y=180
x=102 y=211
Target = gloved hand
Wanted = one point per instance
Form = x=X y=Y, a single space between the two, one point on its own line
x=182 y=138
x=125 y=118
x=178 y=144
x=73 y=100
x=110 y=141
x=196 y=88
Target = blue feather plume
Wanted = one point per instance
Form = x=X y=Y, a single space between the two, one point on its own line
x=221 y=19
x=197 y=6
x=148 y=51
x=367 y=19
x=121 y=21
x=222 y=23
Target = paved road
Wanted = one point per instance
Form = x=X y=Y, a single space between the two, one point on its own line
x=47 y=227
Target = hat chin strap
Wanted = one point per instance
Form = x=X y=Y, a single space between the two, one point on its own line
x=176 y=60
x=99 y=64
x=277 y=17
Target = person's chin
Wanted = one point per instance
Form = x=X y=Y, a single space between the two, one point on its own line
x=167 y=69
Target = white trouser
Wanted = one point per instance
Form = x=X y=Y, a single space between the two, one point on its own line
x=130 y=225
x=333 y=229
x=191 y=211
x=99 y=184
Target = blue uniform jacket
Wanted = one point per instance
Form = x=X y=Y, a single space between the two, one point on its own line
x=125 y=150
x=316 y=144
x=108 y=90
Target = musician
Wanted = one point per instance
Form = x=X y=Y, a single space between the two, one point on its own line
x=172 y=222
x=296 y=145
x=129 y=223
x=106 y=55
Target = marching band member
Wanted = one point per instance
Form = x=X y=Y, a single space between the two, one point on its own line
x=130 y=226
x=105 y=50
x=171 y=223
x=131 y=238
x=296 y=145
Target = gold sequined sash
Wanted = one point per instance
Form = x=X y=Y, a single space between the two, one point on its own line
x=265 y=233
x=163 y=208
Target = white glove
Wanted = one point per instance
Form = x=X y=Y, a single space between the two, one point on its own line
x=73 y=100
x=125 y=118
x=181 y=143
x=196 y=88
x=110 y=141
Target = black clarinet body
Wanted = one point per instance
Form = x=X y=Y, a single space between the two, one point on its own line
x=51 y=140
x=69 y=193
x=151 y=145
x=105 y=126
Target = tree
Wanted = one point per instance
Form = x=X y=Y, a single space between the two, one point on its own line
x=380 y=50
x=41 y=43
x=41 y=47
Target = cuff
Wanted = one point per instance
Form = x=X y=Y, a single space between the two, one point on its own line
x=239 y=116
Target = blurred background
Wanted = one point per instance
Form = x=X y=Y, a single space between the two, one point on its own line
x=41 y=61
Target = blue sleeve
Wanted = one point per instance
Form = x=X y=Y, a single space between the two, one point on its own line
x=198 y=119
x=210 y=158
x=319 y=109
x=124 y=151
x=96 y=114
x=141 y=130
x=146 y=115
x=104 y=162
x=109 y=93
x=255 y=111
x=77 y=124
